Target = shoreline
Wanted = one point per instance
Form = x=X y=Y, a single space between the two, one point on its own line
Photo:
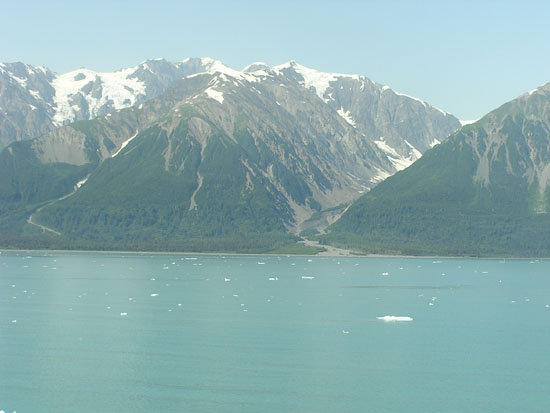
x=325 y=254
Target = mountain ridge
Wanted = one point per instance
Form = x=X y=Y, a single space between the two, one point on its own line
x=232 y=154
x=484 y=191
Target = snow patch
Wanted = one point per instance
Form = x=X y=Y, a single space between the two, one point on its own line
x=382 y=175
x=117 y=89
x=320 y=81
x=214 y=94
x=468 y=122
x=22 y=81
x=126 y=142
x=441 y=110
x=413 y=98
x=81 y=182
x=415 y=152
x=346 y=115
x=35 y=94
x=434 y=142
x=215 y=66
x=399 y=162
x=385 y=87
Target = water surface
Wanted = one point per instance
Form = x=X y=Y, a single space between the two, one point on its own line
x=137 y=332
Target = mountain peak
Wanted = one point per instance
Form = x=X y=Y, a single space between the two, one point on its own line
x=541 y=89
x=319 y=81
x=256 y=66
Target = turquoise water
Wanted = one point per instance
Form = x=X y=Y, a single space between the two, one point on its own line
x=214 y=333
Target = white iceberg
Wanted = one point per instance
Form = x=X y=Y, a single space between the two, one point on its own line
x=395 y=318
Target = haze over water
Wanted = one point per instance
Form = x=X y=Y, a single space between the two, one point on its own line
x=138 y=332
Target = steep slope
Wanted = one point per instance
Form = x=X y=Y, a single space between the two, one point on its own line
x=26 y=94
x=402 y=126
x=484 y=191
x=242 y=158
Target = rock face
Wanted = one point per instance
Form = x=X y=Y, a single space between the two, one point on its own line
x=25 y=93
x=34 y=100
x=402 y=126
x=219 y=153
x=484 y=191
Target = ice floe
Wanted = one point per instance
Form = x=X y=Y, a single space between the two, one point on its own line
x=395 y=318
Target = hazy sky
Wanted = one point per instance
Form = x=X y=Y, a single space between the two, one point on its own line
x=466 y=57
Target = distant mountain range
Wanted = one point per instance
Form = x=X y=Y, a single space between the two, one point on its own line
x=195 y=154
x=484 y=191
x=34 y=100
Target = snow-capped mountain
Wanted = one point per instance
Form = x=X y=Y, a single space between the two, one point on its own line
x=34 y=100
x=219 y=152
x=401 y=126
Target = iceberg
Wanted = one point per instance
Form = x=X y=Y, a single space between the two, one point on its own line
x=394 y=318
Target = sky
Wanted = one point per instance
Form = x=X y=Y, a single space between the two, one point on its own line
x=465 y=57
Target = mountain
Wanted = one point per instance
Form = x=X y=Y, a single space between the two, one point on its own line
x=34 y=100
x=402 y=126
x=484 y=191
x=221 y=160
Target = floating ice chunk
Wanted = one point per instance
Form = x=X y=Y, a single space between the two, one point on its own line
x=154 y=295
x=306 y=277
x=395 y=318
x=123 y=314
x=345 y=332
x=309 y=260
x=430 y=304
x=179 y=305
x=226 y=279
x=273 y=278
x=385 y=273
x=261 y=263
x=547 y=305
x=14 y=321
